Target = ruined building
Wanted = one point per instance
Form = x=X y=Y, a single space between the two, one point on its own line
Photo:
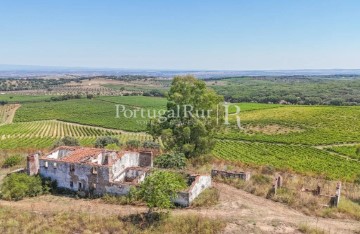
x=98 y=171
x=92 y=170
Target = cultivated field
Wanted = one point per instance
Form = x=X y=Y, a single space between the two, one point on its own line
x=316 y=140
x=42 y=134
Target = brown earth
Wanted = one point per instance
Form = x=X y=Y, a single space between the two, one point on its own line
x=242 y=211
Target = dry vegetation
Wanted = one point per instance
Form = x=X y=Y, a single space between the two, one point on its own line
x=15 y=221
x=292 y=192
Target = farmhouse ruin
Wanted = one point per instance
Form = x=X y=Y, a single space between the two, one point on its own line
x=99 y=171
x=92 y=170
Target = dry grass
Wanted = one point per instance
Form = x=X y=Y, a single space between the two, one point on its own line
x=13 y=221
x=290 y=194
x=207 y=198
x=304 y=228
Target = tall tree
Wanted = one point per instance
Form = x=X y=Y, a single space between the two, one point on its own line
x=193 y=117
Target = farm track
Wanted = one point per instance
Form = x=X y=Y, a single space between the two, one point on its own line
x=242 y=211
x=9 y=116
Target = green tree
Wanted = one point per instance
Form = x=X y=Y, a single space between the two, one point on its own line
x=19 y=185
x=190 y=122
x=102 y=142
x=176 y=160
x=159 y=188
x=66 y=141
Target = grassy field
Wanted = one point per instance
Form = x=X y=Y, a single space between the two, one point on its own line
x=15 y=98
x=301 y=159
x=138 y=101
x=248 y=106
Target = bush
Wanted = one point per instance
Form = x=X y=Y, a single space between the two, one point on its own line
x=66 y=141
x=102 y=142
x=19 y=185
x=151 y=145
x=208 y=197
x=176 y=160
x=133 y=144
x=260 y=179
x=13 y=160
x=129 y=199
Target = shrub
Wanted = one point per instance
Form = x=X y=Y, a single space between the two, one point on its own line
x=304 y=228
x=176 y=160
x=208 y=197
x=151 y=145
x=130 y=199
x=66 y=141
x=260 y=179
x=102 y=142
x=13 y=160
x=159 y=188
x=133 y=144
x=113 y=146
x=19 y=185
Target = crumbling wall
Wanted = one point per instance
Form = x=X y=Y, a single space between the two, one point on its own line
x=32 y=164
x=133 y=174
x=76 y=176
x=129 y=159
x=146 y=159
x=201 y=183
x=240 y=175
x=198 y=185
x=118 y=189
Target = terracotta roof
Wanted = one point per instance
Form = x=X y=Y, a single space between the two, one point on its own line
x=81 y=154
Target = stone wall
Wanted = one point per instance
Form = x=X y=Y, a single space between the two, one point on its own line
x=32 y=164
x=240 y=175
x=76 y=176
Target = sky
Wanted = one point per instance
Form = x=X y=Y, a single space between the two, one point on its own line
x=182 y=35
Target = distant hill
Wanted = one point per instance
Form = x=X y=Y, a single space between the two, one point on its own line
x=31 y=71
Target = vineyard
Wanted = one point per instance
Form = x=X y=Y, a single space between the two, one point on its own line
x=42 y=134
x=283 y=136
x=83 y=111
x=317 y=125
x=298 y=158
x=351 y=151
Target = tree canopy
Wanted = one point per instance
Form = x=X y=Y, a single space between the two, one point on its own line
x=193 y=116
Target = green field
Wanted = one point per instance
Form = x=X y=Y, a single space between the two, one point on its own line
x=316 y=125
x=15 y=98
x=283 y=136
x=302 y=159
x=350 y=151
x=247 y=106
x=95 y=112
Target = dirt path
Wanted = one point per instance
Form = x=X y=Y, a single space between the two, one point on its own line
x=9 y=115
x=244 y=212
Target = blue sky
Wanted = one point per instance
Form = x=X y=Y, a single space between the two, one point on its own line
x=159 y=34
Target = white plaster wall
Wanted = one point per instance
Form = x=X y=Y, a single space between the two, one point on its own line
x=63 y=176
x=127 y=160
x=203 y=183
